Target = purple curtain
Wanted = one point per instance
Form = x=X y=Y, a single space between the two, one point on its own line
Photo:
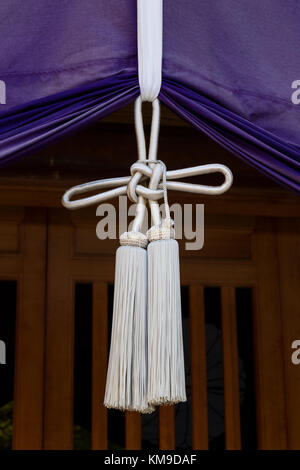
x=228 y=69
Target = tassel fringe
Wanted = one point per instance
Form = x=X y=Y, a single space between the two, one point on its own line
x=166 y=378
x=126 y=385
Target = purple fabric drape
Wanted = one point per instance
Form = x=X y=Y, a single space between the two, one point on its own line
x=256 y=146
x=65 y=64
x=228 y=69
x=51 y=46
x=27 y=128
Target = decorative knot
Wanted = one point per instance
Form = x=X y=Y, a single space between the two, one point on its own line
x=140 y=171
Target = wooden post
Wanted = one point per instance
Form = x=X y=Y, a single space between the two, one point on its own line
x=166 y=428
x=59 y=383
x=99 y=366
x=198 y=368
x=268 y=347
x=133 y=430
x=29 y=361
x=289 y=262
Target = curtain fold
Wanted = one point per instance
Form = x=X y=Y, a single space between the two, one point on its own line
x=259 y=148
x=228 y=69
x=29 y=127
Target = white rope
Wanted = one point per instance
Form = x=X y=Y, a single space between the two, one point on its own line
x=120 y=186
x=142 y=157
x=156 y=171
x=149 y=31
x=129 y=184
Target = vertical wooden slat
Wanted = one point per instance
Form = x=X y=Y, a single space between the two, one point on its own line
x=133 y=430
x=99 y=365
x=198 y=368
x=231 y=370
x=289 y=262
x=59 y=363
x=268 y=345
x=29 y=363
x=166 y=428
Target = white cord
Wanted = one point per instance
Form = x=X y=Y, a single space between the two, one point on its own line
x=140 y=171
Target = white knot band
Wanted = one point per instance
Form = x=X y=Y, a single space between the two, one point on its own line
x=134 y=239
x=149 y=31
x=164 y=231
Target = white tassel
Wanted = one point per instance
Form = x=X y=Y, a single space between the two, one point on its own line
x=166 y=376
x=126 y=383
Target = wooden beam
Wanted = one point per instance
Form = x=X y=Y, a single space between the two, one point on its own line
x=238 y=201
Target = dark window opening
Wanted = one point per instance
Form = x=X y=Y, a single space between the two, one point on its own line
x=116 y=419
x=214 y=368
x=183 y=412
x=83 y=366
x=246 y=356
x=8 y=295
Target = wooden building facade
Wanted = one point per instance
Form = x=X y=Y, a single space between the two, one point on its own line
x=252 y=241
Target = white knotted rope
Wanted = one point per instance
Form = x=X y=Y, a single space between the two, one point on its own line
x=146 y=365
x=127 y=375
x=166 y=376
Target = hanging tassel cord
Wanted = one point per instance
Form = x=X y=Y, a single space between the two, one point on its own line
x=146 y=362
x=166 y=377
x=135 y=237
x=150 y=48
x=159 y=172
x=126 y=384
